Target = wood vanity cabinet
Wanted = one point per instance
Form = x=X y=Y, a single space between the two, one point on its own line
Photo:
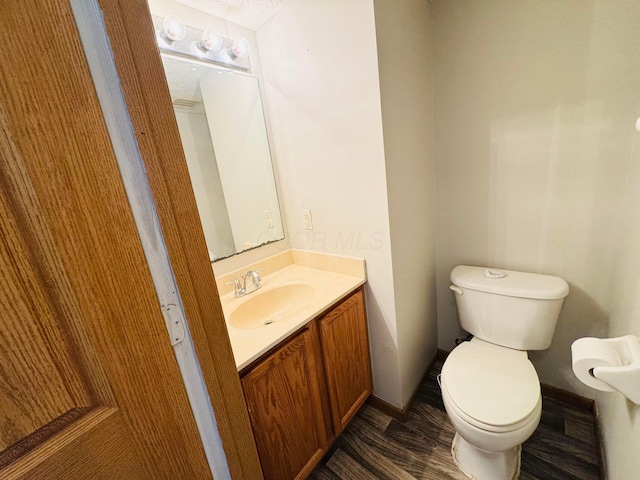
x=302 y=394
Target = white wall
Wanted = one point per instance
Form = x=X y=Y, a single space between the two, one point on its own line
x=329 y=99
x=321 y=71
x=619 y=418
x=405 y=63
x=536 y=169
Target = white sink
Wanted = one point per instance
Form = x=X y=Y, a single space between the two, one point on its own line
x=266 y=307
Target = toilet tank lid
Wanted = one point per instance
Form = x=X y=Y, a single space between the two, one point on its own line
x=509 y=283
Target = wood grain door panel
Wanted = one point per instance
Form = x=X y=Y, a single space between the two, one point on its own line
x=70 y=453
x=347 y=364
x=89 y=384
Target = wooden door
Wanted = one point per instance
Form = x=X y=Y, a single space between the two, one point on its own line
x=284 y=397
x=133 y=41
x=347 y=362
x=89 y=385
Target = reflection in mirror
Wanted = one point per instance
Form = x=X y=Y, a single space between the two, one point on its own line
x=221 y=122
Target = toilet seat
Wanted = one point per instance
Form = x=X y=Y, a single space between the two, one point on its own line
x=491 y=387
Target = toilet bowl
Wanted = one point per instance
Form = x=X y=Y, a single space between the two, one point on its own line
x=492 y=397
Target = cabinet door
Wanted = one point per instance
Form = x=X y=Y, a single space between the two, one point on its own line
x=347 y=363
x=284 y=398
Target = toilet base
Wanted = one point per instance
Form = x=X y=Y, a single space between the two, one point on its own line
x=481 y=465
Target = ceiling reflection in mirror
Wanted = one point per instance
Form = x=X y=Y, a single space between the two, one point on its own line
x=221 y=122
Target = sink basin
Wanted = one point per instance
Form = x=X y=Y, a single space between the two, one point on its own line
x=270 y=306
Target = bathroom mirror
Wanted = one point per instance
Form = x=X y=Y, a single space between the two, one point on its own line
x=221 y=122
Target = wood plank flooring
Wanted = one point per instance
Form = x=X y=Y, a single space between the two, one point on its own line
x=376 y=446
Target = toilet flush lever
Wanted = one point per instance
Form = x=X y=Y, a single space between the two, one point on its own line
x=456 y=289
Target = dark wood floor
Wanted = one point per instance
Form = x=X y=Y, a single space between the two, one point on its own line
x=375 y=446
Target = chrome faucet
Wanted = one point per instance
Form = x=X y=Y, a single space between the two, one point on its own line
x=241 y=286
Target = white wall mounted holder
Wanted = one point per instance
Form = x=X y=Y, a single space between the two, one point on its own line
x=609 y=364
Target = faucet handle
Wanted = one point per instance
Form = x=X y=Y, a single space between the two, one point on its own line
x=239 y=289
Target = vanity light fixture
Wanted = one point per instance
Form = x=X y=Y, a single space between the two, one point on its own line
x=173 y=29
x=239 y=48
x=173 y=36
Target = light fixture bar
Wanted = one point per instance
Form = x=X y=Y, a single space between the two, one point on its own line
x=204 y=63
x=204 y=46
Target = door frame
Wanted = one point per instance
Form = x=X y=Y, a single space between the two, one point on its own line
x=146 y=94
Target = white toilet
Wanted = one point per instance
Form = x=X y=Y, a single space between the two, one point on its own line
x=490 y=389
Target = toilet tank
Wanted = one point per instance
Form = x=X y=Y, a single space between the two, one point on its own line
x=513 y=309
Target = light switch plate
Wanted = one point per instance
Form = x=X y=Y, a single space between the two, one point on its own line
x=308 y=224
x=268 y=217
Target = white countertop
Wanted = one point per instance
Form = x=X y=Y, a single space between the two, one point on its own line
x=329 y=287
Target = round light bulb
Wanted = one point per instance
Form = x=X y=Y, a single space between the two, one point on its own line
x=173 y=28
x=211 y=40
x=240 y=48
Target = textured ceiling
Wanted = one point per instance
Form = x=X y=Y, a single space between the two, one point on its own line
x=248 y=13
